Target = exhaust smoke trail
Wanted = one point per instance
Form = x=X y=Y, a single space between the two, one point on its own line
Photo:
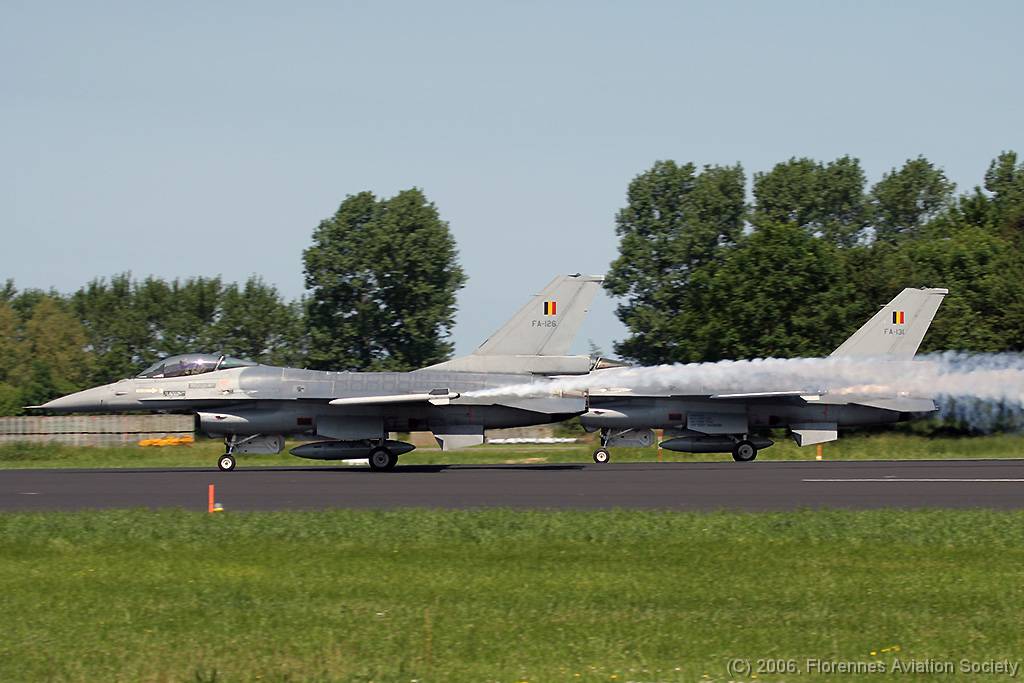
x=981 y=390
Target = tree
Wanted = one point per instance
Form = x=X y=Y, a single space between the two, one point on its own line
x=187 y=313
x=9 y=291
x=122 y=322
x=254 y=322
x=827 y=200
x=779 y=292
x=904 y=200
x=383 y=276
x=12 y=356
x=11 y=346
x=55 y=343
x=1005 y=180
x=985 y=288
x=676 y=224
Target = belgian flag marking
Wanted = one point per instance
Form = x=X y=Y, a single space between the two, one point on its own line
x=550 y=307
x=898 y=317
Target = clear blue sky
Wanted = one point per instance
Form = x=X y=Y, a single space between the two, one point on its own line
x=197 y=138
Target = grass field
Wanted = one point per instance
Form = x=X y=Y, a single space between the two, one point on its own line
x=419 y=595
x=882 y=446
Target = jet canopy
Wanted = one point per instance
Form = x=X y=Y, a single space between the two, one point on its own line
x=192 y=364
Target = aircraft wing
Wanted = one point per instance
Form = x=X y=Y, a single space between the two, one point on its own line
x=748 y=396
x=768 y=394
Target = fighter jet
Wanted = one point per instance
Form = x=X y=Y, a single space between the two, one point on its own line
x=350 y=414
x=731 y=422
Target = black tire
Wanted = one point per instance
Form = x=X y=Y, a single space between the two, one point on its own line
x=226 y=463
x=602 y=456
x=381 y=459
x=744 y=451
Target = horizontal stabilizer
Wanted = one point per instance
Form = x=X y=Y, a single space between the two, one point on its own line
x=814 y=433
x=899 y=404
x=459 y=436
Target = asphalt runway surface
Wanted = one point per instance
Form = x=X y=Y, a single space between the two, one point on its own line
x=684 y=486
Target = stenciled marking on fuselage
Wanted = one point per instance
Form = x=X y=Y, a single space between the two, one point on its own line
x=543 y=323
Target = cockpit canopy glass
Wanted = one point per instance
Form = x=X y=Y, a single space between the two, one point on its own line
x=191 y=364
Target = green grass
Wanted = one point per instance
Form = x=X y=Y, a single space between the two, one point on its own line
x=882 y=446
x=499 y=595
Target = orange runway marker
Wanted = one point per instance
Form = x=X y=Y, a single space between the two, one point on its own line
x=209 y=502
x=821 y=449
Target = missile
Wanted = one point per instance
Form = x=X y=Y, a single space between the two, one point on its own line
x=347 y=450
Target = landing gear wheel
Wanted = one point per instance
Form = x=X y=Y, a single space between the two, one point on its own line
x=226 y=463
x=382 y=459
x=601 y=456
x=744 y=451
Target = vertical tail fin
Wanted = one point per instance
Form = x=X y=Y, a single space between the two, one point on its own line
x=548 y=324
x=538 y=337
x=897 y=329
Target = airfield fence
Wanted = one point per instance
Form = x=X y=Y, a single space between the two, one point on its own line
x=93 y=430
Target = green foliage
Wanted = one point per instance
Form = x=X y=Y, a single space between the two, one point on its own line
x=977 y=268
x=56 y=343
x=11 y=400
x=787 y=298
x=12 y=349
x=122 y=321
x=254 y=322
x=676 y=225
x=131 y=324
x=1005 y=181
x=499 y=595
x=904 y=200
x=383 y=276
x=824 y=199
x=809 y=271
x=42 y=355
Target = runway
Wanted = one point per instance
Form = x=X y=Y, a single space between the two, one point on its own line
x=681 y=486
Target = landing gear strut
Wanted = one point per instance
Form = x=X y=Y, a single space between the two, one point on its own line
x=381 y=459
x=602 y=455
x=744 y=451
x=226 y=462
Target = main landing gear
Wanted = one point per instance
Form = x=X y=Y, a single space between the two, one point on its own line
x=744 y=451
x=381 y=459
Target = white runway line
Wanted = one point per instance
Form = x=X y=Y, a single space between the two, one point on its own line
x=914 y=480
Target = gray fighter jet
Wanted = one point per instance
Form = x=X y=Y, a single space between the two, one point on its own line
x=253 y=407
x=709 y=422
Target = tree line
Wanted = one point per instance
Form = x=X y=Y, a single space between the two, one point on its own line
x=705 y=271
x=382 y=275
x=706 y=274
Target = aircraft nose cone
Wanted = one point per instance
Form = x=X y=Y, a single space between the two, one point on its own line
x=82 y=401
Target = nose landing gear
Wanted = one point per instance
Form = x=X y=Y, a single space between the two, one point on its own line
x=602 y=455
x=226 y=462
